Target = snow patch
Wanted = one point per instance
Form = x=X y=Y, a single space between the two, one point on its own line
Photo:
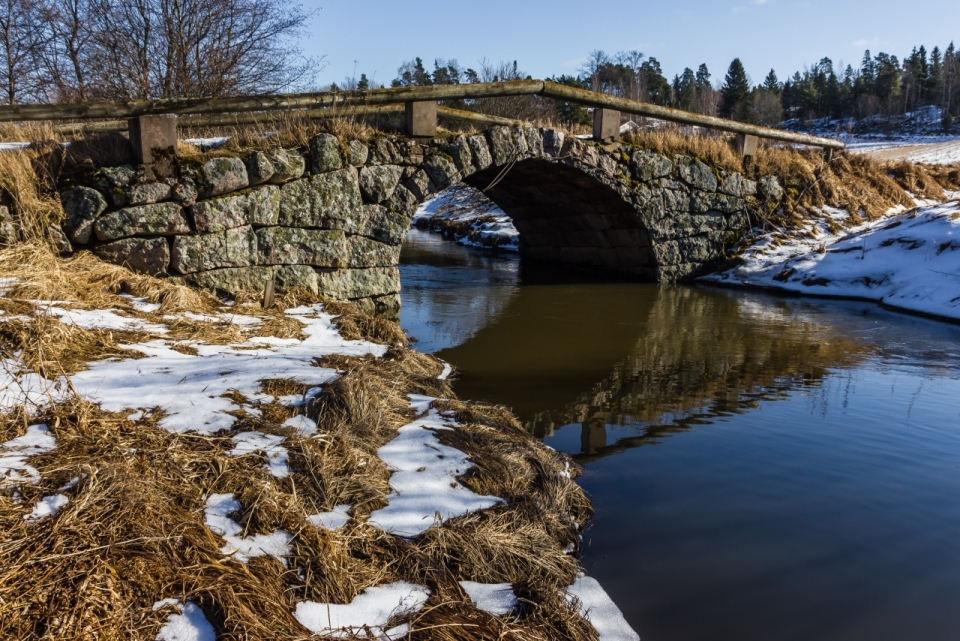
x=252 y=442
x=189 y=625
x=424 y=481
x=47 y=506
x=14 y=453
x=217 y=517
x=333 y=520
x=305 y=426
x=494 y=598
x=369 y=612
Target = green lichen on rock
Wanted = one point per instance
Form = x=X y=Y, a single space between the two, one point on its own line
x=325 y=154
x=350 y=284
x=325 y=201
x=159 y=219
x=260 y=206
x=377 y=183
x=81 y=206
x=231 y=248
x=293 y=246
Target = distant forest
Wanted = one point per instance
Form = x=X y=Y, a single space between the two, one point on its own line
x=881 y=85
x=82 y=50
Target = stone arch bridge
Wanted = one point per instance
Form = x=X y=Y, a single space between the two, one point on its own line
x=332 y=217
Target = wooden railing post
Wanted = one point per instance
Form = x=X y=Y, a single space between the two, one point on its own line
x=747 y=145
x=606 y=125
x=421 y=119
x=154 y=142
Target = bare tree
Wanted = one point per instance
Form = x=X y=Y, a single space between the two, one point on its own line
x=21 y=40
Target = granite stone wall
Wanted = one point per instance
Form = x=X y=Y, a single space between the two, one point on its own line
x=332 y=217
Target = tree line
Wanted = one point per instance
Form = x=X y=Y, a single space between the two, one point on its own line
x=881 y=85
x=81 y=50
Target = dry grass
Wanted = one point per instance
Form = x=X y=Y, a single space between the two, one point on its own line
x=134 y=532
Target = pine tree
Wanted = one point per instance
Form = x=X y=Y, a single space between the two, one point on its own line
x=736 y=91
x=703 y=78
x=772 y=83
x=363 y=84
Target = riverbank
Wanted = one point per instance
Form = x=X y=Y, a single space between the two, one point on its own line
x=178 y=467
x=908 y=261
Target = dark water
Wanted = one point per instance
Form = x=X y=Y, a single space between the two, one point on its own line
x=761 y=467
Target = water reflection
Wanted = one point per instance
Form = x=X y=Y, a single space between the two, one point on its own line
x=804 y=481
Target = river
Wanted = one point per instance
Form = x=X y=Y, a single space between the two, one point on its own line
x=761 y=467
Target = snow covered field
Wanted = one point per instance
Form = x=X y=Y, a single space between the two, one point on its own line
x=908 y=261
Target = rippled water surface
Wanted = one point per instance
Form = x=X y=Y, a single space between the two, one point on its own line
x=761 y=467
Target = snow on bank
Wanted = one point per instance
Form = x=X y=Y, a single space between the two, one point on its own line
x=470 y=217
x=497 y=599
x=910 y=261
x=597 y=607
x=368 y=612
x=424 y=481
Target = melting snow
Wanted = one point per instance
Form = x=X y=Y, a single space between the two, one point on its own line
x=371 y=609
x=601 y=611
x=217 y=517
x=424 y=482
x=190 y=388
x=47 y=506
x=189 y=625
x=253 y=442
x=101 y=319
x=331 y=520
x=304 y=426
x=14 y=454
x=496 y=598
x=910 y=261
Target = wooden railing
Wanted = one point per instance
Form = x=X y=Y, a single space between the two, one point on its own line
x=238 y=110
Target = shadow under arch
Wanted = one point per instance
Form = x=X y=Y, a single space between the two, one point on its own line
x=565 y=215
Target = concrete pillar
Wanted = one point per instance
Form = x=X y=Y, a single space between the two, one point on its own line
x=593 y=436
x=606 y=125
x=154 y=142
x=421 y=119
x=747 y=145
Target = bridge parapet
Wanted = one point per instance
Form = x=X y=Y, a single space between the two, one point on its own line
x=332 y=217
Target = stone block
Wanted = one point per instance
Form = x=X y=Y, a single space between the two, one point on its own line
x=232 y=280
x=325 y=201
x=384 y=225
x=56 y=237
x=419 y=184
x=141 y=194
x=421 y=119
x=231 y=248
x=534 y=141
x=325 y=154
x=288 y=164
x=259 y=168
x=501 y=144
x=259 y=207
x=481 y=151
x=770 y=188
x=581 y=256
x=350 y=284
x=696 y=174
x=385 y=151
x=649 y=165
x=294 y=246
x=216 y=176
x=459 y=150
x=160 y=219
x=403 y=201
x=553 y=142
x=385 y=306
x=357 y=153
x=364 y=252
x=145 y=255
x=377 y=183
x=81 y=206
x=154 y=143
x=606 y=125
x=441 y=171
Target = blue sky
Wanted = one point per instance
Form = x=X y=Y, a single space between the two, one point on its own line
x=553 y=37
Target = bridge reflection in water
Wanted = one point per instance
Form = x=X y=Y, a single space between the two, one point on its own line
x=630 y=363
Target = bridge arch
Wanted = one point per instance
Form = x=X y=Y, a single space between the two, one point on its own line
x=613 y=208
